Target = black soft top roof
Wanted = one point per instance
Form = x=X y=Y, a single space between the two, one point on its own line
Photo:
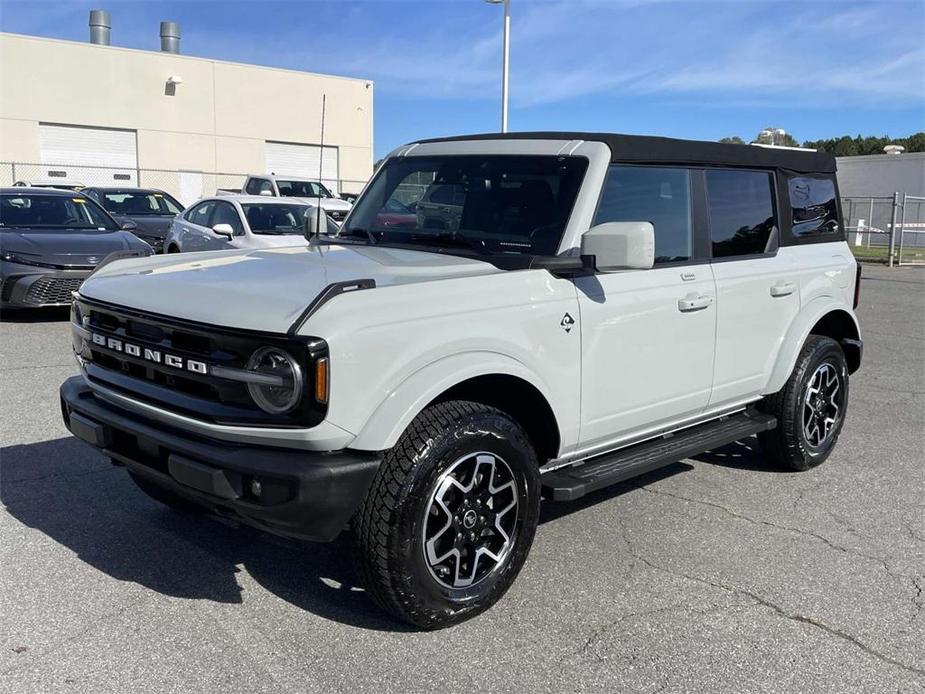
x=661 y=150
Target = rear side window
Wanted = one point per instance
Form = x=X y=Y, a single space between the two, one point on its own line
x=655 y=194
x=741 y=211
x=255 y=185
x=815 y=212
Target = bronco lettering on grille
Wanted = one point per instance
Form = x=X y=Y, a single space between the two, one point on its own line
x=152 y=355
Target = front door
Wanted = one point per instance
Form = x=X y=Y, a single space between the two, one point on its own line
x=647 y=335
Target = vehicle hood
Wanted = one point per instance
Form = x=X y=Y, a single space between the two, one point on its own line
x=264 y=289
x=68 y=247
x=148 y=224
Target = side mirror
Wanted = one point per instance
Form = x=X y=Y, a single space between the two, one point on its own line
x=129 y=225
x=315 y=221
x=266 y=192
x=620 y=246
x=224 y=230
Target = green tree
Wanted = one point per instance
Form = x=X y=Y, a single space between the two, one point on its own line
x=846 y=146
x=734 y=140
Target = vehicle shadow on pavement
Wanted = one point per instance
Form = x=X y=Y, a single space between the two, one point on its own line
x=743 y=455
x=35 y=315
x=73 y=495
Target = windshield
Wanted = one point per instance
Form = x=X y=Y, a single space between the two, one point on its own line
x=52 y=212
x=273 y=218
x=302 y=189
x=489 y=204
x=137 y=203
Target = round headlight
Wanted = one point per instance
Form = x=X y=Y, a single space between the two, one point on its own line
x=283 y=389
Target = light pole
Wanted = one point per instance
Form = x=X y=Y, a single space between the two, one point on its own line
x=505 y=58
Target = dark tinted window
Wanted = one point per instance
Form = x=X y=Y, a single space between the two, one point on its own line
x=651 y=194
x=741 y=211
x=813 y=204
x=225 y=213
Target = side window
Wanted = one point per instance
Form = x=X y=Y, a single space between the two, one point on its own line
x=741 y=211
x=253 y=186
x=815 y=212
x=200 y=214
x=226 y=213
x=654 y=194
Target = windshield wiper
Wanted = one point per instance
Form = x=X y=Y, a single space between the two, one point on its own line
x=450 y=237
x=356 y=232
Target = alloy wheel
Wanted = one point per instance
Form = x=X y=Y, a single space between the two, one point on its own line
x=470 y=520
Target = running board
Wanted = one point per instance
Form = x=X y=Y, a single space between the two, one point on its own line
x=570 y=483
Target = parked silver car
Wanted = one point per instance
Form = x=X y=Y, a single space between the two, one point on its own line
x=246 y=221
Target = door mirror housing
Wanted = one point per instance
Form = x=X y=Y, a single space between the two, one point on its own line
x=620 y=246
x=129 y=225
x=266 y=192
x=315 y=221
x=224 y=230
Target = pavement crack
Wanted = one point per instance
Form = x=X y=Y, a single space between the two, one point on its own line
x=777 y=609
x=777 y=526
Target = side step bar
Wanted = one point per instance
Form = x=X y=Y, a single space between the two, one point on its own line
x=570 y=483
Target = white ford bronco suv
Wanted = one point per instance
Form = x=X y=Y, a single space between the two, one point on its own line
x=590 y=307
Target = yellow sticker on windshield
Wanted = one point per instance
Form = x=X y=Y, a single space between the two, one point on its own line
x=80 y=200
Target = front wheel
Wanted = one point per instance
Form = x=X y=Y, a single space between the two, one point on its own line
x=449 y=519
x=810 y=408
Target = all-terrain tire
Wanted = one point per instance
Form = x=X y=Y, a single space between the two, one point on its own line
x=789 y=446
x=394 y=530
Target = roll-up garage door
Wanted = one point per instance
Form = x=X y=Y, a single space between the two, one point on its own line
x=94 y=156
x=287 y=159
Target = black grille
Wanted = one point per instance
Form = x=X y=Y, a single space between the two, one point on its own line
x=53 y=290
x=203 y=396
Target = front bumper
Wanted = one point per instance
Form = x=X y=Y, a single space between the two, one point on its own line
x=27 y=286
x=303 y=494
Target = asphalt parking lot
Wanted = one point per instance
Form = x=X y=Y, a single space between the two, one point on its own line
x=715 y=574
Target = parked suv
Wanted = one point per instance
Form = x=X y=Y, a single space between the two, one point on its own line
x=597 y=306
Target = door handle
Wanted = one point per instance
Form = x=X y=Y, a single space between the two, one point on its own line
x=694 y=303
x=783 y=289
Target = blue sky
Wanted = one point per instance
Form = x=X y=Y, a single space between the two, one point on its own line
x=817 y=68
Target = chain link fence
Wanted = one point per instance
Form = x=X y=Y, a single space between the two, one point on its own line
x=887 y=228
x=186 y=186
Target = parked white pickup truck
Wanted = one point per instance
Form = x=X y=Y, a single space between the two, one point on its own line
x=588 y=308
x=293 y=187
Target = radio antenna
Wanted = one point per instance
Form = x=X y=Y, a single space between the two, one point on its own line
x=320 y=211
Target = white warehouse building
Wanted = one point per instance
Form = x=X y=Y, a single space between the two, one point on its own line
x=109 y=116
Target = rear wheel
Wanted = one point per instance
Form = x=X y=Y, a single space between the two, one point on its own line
x=447 y=523
x=810 y=408
x=172 y=249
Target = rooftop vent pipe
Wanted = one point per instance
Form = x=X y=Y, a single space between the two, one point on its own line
x=100 y=27
x=170 y=37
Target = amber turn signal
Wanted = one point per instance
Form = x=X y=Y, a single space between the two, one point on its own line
x=321 y=380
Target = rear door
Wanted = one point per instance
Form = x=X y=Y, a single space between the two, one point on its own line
x=648 y=335
x=194 y=228
x=757 y=288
